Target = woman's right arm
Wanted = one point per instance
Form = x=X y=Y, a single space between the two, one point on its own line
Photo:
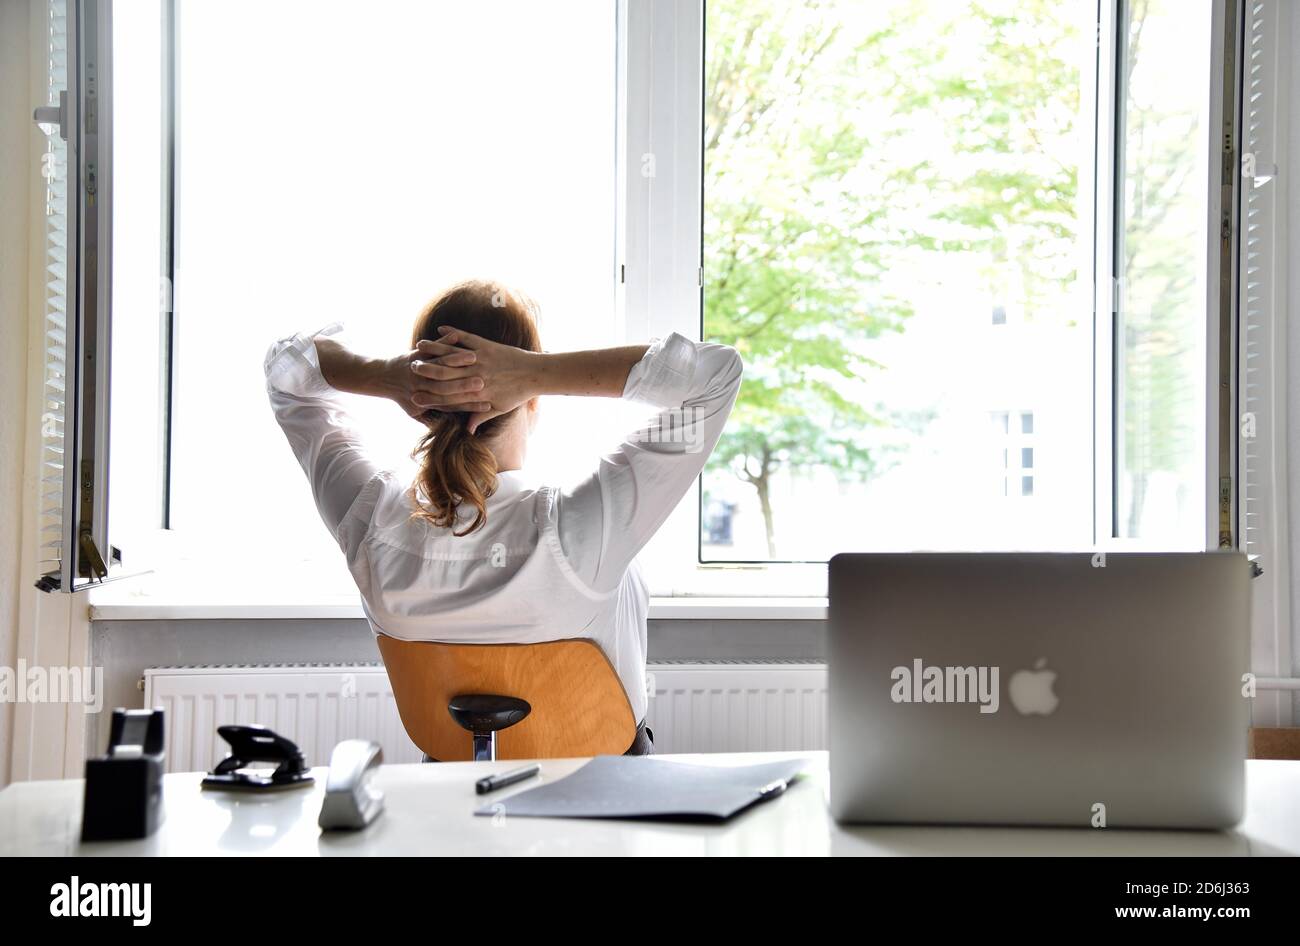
x=607 y=518
x=637 y=485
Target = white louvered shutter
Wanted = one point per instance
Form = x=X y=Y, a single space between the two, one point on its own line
x=1262 y=365
x=55 y=171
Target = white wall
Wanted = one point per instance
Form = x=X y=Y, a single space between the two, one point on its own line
x=16 y=131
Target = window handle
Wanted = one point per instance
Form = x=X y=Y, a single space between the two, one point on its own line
x=54 y=115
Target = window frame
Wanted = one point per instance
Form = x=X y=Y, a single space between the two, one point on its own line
x=661 y=106
x=658 y=241
x=1262 y=359
x=663 y=100
x=1218 y=483
x=176 y=539
x=85 y=555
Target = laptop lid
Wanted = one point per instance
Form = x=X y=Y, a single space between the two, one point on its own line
x=1026 y=688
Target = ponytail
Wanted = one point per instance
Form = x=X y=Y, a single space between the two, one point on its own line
x=455 y=467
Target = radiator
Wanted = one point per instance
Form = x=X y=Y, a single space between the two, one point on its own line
x=315 y=706
x=737 y=706
x=731 y=706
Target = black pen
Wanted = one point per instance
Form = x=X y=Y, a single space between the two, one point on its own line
x=493 y=782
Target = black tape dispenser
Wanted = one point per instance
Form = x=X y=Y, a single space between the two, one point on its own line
x=123 y=796
x=250 y=744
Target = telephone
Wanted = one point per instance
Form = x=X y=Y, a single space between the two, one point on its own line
x=351 y=800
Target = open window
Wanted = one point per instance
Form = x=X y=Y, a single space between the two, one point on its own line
x=106 y=167
x=978 y=257
x=471 y=139
x=973 y=253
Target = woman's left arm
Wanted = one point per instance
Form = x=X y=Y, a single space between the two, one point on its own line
x=305 y=375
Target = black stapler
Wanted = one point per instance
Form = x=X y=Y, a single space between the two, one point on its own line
x=250 y=744
x=123 y=797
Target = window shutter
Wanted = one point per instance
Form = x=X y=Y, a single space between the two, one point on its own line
x=78 y=173
x=1262 y=439
x=55 y=474
x=1262 y=347
x=1262 y=342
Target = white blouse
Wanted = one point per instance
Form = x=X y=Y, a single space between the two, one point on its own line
x=549 y=563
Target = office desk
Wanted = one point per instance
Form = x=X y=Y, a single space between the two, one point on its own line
x=430 y=811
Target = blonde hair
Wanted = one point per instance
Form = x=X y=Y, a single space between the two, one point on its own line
x=457 y=467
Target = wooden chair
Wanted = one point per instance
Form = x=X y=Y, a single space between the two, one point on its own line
x=559 y=699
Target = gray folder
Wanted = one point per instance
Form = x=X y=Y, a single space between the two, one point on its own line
x=645 y=787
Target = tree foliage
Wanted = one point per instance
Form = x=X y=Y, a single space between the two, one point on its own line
x=842 y=140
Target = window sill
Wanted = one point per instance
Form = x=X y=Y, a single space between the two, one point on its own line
x=120 y=603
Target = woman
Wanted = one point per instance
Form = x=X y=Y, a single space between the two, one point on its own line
x=470 y=552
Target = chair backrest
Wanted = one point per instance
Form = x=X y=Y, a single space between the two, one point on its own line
x=579 y=706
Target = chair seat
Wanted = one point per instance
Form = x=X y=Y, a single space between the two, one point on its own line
x=483 y=712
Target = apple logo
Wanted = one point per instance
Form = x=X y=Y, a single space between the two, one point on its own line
x=1031 y=690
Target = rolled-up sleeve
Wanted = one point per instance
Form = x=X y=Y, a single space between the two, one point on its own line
x=663 y=376
x=322 y=435
x=293 y=365
x=606 y=519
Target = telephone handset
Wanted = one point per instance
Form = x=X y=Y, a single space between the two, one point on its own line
x=351 y=799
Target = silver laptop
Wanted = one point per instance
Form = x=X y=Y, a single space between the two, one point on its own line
x=1063 y=689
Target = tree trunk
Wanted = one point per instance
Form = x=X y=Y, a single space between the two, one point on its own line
x=765 y=503
x=1139 y=499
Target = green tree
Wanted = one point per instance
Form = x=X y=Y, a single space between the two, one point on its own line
x=830 y=136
